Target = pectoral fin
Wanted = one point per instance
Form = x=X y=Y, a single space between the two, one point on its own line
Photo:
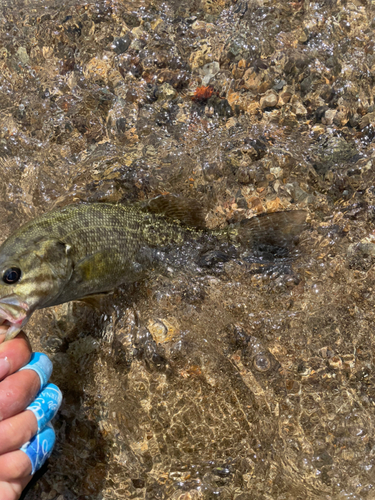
x=96 y=300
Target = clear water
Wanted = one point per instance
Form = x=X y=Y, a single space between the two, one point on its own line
x=250 y=383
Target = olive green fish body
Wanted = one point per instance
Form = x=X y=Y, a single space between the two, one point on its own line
x=86 y=249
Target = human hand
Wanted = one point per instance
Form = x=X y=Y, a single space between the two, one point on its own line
x=17 y=390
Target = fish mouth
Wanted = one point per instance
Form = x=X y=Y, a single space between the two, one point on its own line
x=14 y=314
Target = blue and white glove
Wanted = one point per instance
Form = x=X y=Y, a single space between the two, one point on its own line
x=45 y=406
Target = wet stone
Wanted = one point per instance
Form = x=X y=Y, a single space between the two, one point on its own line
x=269 y=100
x=121 y=44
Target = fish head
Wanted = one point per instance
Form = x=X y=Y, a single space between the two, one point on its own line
x=32 y=274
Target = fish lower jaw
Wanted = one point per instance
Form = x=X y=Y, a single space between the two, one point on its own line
x=10 y=330
x=13 y=316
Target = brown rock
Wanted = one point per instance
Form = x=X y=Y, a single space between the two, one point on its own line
x=299 y=109
x=253 y=108
x=284 y=97
x=274 y=205
x=367 y=119
x=252 y=80
x=328 y=117
x=269 y=100
x=97 y=69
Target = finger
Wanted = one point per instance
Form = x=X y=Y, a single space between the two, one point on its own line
x=42 y=365
x=46 y=405
x=40 y=447
x=14 y=465
x=14 y=354
x=17 y=430
x=11 y=490
x=17 y=391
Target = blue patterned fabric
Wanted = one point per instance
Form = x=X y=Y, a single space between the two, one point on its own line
x=40 y=447
x=42 y=365
x=46 y=405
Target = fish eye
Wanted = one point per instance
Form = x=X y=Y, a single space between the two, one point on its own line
x=12 y=275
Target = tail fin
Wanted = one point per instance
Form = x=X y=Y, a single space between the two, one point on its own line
x=275 y=233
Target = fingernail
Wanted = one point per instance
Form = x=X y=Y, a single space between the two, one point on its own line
x=4 y=367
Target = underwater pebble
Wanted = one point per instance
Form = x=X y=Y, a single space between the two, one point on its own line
x=269 y=100
x=162 y=330
x=208 y=71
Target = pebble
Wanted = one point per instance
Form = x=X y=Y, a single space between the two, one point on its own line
x=96 y=69
x=201 y=57
x=298 y=108
x=284 y=97
x=367 y=120
x=208 y=71
x=328 y=117
x=253 y=81
x=366 y=246
x=269 y=100
x=23 y=55
x=166 y=92
x=121 y=44
x=162 y=330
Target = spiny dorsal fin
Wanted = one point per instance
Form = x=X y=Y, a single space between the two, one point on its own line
x=183 y=210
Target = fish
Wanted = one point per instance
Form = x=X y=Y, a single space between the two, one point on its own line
x=82 y=250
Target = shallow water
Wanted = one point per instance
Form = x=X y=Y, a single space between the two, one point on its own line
x=250 y=383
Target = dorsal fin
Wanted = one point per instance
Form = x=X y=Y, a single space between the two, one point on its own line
x=176 y=208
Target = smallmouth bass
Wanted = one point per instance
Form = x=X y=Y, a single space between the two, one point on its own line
x=81 y=250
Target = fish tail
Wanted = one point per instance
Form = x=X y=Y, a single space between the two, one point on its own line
x=268 y=232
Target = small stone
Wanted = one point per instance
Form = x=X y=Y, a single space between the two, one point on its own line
x=233 y=98
x=348 y=361
x=274 y=205
x=276 y=171
x=355 y=120
x=166 y=92
x=367 y=120
x=252 y=80
x=284 y=97
x=299 y=109
x=131 y=136
x=340 y=119
x=208 y=71
x=121 y=44
x=279 y=85
x=318 y=130
x=23 y=55
x=162 y=330
x=156 y=23
x=96 y=69
x=366 y=247
x=232 y=122
x=200 y=25
x=237 y=72
x=219 y=106
x=201 y=57
x=328 y=117
x=269 y=100
x=255 y=203
x=335 y=362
